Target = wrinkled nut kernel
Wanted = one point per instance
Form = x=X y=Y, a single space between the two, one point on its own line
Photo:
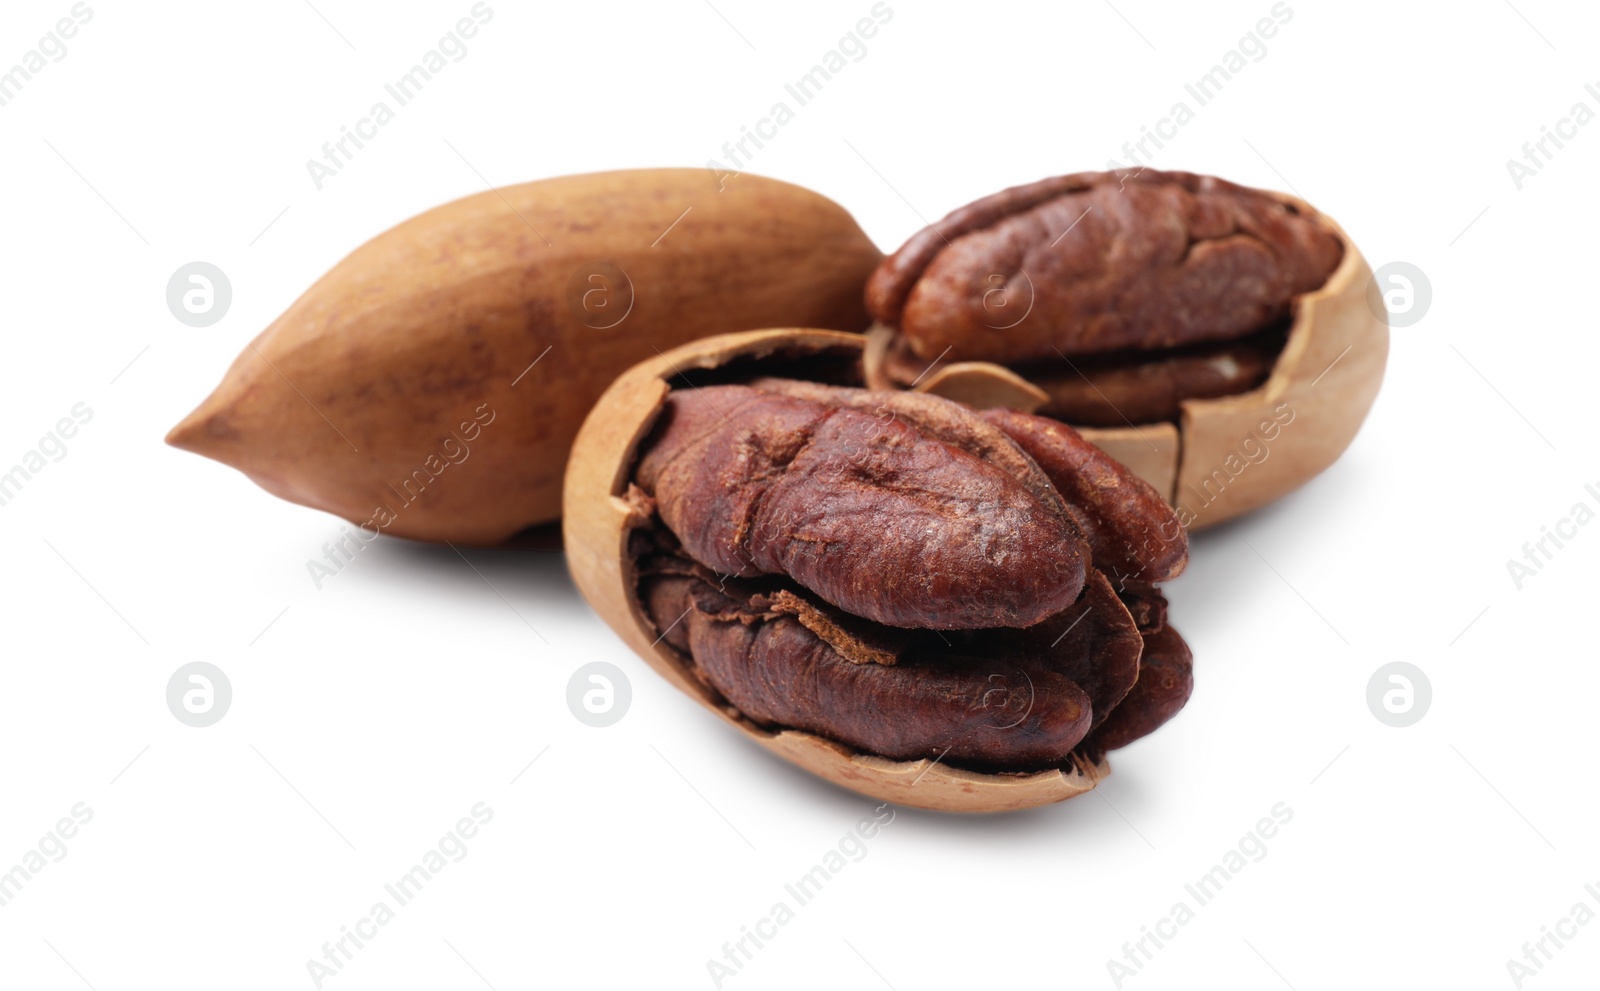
x=1170 y=313
x=865 y=510
x=1133 y=263
x=870 y=582
x=430 y=385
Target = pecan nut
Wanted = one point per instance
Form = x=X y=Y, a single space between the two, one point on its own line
x=520 y=304
x=926 y=604
x=1171 y=314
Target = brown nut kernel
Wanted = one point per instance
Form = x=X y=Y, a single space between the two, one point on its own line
x=1171 y=315
x=1166 y=678
x=887 y=589
x=508 y=313
x=1139 y=262
x=753 y=483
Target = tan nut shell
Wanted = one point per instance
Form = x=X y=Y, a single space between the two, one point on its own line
x=595 y=524
x=346 y=397
x=1328 y=376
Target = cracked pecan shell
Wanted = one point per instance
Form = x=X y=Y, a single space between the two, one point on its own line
x=1175 y=317
x=888 y=589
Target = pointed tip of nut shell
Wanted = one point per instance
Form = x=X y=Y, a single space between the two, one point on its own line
x=185 y=437
x=202 y=432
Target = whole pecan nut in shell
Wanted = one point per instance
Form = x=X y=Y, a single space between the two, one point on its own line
x=519 y=305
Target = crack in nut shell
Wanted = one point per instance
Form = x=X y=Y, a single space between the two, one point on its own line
x=1112 y=262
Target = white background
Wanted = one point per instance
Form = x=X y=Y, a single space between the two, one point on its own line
x=374 y=713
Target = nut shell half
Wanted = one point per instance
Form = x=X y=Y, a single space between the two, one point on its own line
x=596 y=524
